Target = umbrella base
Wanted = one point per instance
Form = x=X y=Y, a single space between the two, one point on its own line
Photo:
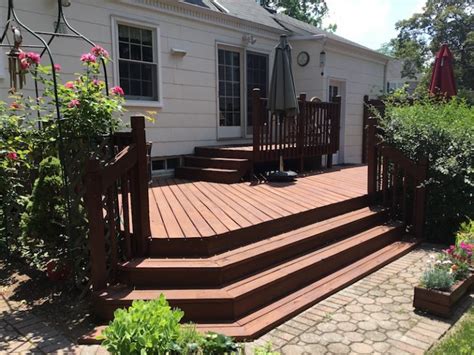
x=282 y=176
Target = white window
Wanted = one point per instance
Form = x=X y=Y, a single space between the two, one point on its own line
x=137 y=63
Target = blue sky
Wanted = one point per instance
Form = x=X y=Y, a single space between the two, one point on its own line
x=370 y=22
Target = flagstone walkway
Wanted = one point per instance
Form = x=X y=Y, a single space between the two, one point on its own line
x=374 y=315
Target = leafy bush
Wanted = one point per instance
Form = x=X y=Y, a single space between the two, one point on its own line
x=437 y=279
x=152 y=327
x=443 y=132
x=265 y=350
x=43 y=224
x=465 y=233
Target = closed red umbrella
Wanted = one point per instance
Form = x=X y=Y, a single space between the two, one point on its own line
x=442 y=78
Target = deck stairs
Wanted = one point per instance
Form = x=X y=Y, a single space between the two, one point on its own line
x=254 y=284
x=215 y=165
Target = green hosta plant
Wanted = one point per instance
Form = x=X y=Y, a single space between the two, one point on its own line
x=465 y=233
x=153 y=327
x=147 y=327
x=437 y=279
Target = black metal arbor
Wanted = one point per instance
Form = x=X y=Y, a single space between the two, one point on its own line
x=42 y=43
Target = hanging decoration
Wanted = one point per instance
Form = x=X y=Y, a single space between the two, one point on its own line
x=17 y=73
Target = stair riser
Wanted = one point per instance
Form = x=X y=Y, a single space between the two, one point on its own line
x=222 y=153
x=195 y=277
x=201 y=310
x=214 y=176
x=242 y=166
x=196 y=247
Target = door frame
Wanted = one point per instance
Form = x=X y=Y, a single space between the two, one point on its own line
x=235 y=132
x=338 y=157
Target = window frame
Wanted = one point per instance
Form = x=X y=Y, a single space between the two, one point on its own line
x=155 y=28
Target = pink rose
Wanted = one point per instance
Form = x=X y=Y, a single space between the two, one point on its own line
x=98 y=51
x=69 y=85
x=25 y=64
x=57 y=67
x=12 y=156
x=88 y=58
x=35 y=57
x=73 y=103
x=117 y=90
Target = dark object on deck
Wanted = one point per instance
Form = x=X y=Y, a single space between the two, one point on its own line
x=282 y=176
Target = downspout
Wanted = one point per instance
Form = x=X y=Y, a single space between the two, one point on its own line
x=385 y=70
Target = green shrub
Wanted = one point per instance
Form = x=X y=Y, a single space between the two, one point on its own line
x=265 y=350
x=152 y=327
x=443 y=132
x=465 y=233
x=437 y=279
x=43 y=224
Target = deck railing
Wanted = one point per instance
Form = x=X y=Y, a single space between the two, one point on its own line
x=396 y=181
x=369 y=105
x=117 y=206
x=313 y=132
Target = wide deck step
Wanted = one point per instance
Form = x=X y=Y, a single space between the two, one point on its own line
x=224 y=152
x=224 y=268
x=251 y=293
x=224 y=176
x=241 y=165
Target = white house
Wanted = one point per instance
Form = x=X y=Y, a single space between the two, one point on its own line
x=194 y=63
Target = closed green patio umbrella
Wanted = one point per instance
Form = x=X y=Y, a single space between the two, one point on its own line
x=282 y=100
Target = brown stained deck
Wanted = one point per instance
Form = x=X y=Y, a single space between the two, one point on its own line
x=196 y=209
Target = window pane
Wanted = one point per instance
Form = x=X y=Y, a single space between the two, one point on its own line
x=147 y=88
x=135 y=35
x=123 y=33
x=136 y=52
x=124 y=70
x=147 y=54
x=135 y=71
x=124 y=50
x=147 y=71
x=135 y=89
x=124 y=83
x=147 y=37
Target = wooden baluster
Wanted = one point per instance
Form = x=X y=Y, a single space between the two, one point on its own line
x=385 y=180
x=257 y=122
x=404 y=196
x=395 y=173
x=111 y=216
x=364 y=130
x=302 y=127
x=95 y=216
x=141 y=213
x=372 y=160
x=126 y=215
x=420 y=198
x=337 y=123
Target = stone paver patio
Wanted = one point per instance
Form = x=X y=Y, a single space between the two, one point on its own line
x=374 y=315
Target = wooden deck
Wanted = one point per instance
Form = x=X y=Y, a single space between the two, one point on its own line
x=193 y=210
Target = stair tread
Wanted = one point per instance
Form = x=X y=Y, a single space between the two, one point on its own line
x=263 y=246
x=261 y=320
x=214 y=170
x=266 y=317
x=247 y=285
x=235 y=160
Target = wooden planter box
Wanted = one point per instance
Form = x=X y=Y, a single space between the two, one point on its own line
x=441 y=303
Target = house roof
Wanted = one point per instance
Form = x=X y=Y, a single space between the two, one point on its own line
x=250 y=10
x=247 y=10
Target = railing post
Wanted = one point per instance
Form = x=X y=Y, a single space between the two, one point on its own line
x=420 y=199
x=302 y=122
x=93 y=202
x=140 y=206
x=364 y=128
x=256 y=122
x=371 y=159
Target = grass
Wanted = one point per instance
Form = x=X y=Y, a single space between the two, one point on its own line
x=460 y=340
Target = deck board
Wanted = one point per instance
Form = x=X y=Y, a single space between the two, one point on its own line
x=190 y=209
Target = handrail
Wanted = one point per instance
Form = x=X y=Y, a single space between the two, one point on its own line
x=117 y=207
x=396 y=181
x=313 y=132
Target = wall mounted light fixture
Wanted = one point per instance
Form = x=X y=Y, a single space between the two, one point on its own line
x=178 y=52
x=248 y=39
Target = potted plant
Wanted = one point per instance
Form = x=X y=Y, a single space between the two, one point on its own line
x=448 y=279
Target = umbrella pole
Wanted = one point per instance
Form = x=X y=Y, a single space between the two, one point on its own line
x=281 y=117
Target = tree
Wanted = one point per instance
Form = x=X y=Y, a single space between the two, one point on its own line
x=309 y=11
x=421 y=36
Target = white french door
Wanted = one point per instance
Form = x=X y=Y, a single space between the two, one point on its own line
x=230 y=88
x=338 y=88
